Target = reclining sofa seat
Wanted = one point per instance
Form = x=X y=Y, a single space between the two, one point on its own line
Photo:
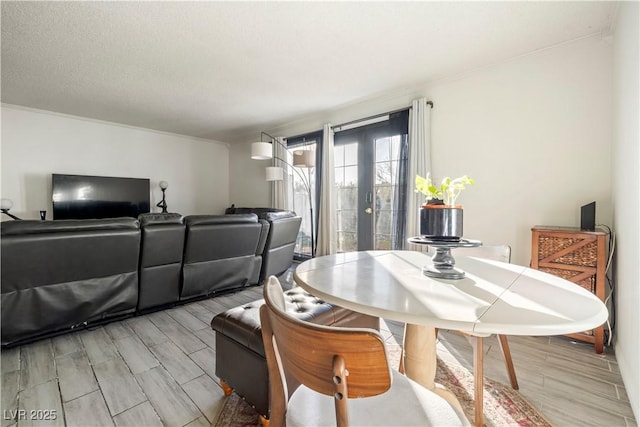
x=161 y=251
x=58 y=275
x=284 y=226
x=281 y=242
x=221 y=252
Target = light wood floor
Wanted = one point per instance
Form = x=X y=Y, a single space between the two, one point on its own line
x=159 y=369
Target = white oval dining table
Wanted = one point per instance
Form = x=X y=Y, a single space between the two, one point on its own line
x=493 y=298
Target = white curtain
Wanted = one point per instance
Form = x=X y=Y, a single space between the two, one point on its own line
x=419 y=163
x=280 y=197
x=327 y=239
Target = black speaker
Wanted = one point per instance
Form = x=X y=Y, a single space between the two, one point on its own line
x=588 y=217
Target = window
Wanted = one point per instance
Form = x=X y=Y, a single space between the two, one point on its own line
x=301 y=199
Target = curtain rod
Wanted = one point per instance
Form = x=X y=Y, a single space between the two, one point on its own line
x=429 y=103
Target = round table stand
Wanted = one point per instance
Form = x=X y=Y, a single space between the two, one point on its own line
x=443 y=266
x=443 y=261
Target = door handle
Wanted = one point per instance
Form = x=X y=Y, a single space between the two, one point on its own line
x=368 y=210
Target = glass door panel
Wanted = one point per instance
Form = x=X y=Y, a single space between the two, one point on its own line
x=301 y=207
x=346 y=186
x=386 y=189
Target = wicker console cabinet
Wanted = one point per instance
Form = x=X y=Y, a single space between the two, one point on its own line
x=578 y=256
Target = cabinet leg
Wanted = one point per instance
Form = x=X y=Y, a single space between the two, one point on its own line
x=598 y=335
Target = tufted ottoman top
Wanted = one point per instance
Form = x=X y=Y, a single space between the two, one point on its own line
x=242 y=323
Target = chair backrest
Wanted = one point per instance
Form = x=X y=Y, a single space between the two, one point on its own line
x=319 y=357
x=492 y=252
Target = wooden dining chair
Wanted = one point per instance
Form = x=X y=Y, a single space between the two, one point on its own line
x=343 y=375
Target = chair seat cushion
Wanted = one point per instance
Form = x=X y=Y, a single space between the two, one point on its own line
x=406 y=403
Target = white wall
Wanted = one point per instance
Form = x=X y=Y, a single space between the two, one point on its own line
x=247 y=187
x=535 y=135
x=36 y=144
x=534 y=132
x=626 y=196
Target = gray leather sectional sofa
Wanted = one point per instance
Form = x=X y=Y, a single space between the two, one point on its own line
x=57 y=276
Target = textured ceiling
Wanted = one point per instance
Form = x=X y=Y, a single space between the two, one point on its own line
x=219 y=70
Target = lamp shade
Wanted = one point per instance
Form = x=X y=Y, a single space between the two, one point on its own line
x=304 y=158
x=6 y=204
x=163 y=185
x=274 y=173
x=261 y=150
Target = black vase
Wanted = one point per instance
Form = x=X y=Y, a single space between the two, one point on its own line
x=440 y=222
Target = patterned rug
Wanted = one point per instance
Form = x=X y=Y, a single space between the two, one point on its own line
x=503 y=406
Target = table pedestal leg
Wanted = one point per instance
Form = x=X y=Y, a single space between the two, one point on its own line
x=420 y=360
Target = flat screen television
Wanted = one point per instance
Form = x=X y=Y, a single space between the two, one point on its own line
x=588 y=217
x=86 y=197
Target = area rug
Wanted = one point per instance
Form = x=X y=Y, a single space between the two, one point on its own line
x=503 y=406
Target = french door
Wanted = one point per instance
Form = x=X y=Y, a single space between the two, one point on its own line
x=370 y=185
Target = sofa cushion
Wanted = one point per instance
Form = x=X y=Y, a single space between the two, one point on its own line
x=40 y=253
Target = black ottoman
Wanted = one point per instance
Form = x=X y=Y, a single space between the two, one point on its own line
x=240 y=361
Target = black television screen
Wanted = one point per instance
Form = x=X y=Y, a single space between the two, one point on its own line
x=588 y=216
x=86 y=197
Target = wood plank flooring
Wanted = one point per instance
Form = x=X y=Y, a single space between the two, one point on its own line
x=159 y=370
